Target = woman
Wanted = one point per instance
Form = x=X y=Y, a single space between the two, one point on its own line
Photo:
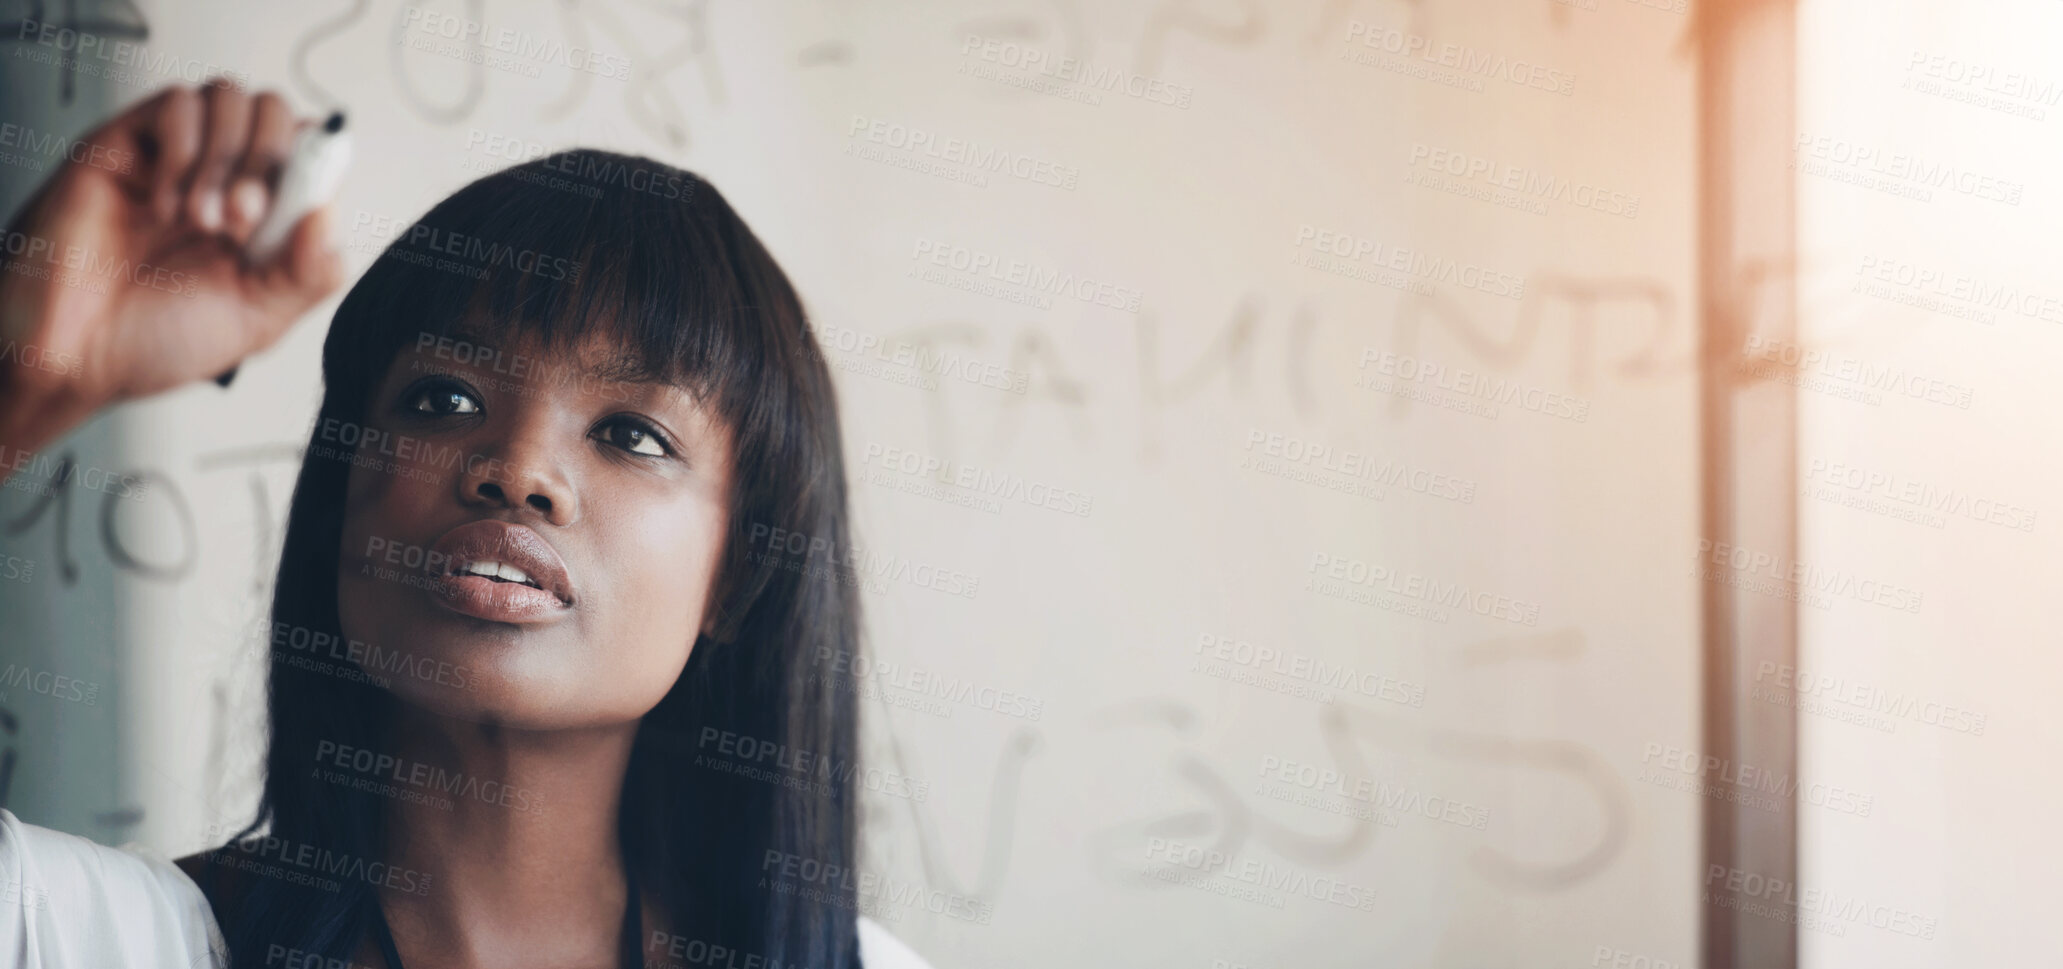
x=558 y=430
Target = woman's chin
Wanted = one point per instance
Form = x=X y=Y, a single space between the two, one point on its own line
x=511 y=696
x=487 y=700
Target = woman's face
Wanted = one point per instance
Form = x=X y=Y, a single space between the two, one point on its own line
x=528 y=541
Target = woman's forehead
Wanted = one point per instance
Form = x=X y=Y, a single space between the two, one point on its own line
x=599 y=353
x=592 y=365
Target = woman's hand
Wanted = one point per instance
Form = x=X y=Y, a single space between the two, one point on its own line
x=126 y=274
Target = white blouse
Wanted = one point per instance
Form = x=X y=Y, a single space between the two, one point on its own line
x=70 y=903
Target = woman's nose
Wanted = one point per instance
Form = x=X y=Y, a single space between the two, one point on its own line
x=519 y=470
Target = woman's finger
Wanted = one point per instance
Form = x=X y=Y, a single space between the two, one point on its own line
x=309 y=270
x=227 y=133
x=257 y=175
x=311 y=266
x=171 y=125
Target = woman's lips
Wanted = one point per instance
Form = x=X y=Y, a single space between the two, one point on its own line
x=485 y=598
x=498 y=543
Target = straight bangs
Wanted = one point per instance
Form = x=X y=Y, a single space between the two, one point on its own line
x=503 y=261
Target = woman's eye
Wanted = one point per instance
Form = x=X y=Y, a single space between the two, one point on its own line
x=442 y=401
x=632 y=438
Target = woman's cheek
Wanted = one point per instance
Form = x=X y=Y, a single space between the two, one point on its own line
x=379 y=505
x=666 y=607
x=677 y=567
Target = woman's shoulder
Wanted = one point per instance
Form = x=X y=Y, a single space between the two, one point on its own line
x=73 y=899
x=880 y=949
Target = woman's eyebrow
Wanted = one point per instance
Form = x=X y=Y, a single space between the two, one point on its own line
x=626 y=373
x=635 y=375
x=621 y=370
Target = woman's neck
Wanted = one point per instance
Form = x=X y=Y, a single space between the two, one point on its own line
x=511 y=838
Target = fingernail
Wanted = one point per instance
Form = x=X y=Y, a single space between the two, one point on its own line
x=210 y=206
x=249 y=199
